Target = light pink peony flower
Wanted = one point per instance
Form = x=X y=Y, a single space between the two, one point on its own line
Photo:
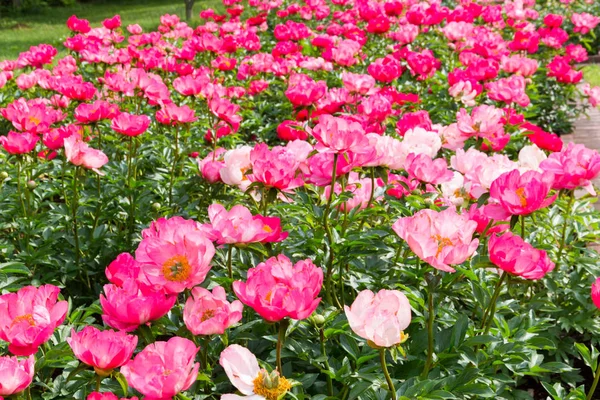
x=15 y=374
x=237 y=162
x=380 y=318
x=419 y=141
x=207 y=313
x=103 y=350
x=175 y=254
x=131 y=305
x=520 y=194
x=211 y=165
x=277 y=289
x=29 y=317
x=423 y=168
x=239 y=226
x=512 y=254
x=254 y=383
x=574 y=166
x=163 y=369
x=80 y=153
x=441 y=238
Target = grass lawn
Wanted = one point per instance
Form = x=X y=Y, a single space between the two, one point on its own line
x=591 y=74
x=19 y=32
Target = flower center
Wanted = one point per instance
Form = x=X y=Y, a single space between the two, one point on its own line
x=267 y=229
x=208 y=314
x=271 y=386
x=521 y=193
x=177 y=269
x=35 y=120
x=442 y=242
x=24 y=318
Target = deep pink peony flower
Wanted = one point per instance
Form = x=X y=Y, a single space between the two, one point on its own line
x=512 y=254
x=174 y=254
x=380 y=317
x=103 y=350
x=520 y=194
x=131 y=305
x=275 y=168
x=596 y=292
x=107 y=396
x=277 y=289
x=239 y=226
x=78 y=25
x=15 y=374
x=130 y=124
x=80 y=153
x=441 y=238
x=303 y=90
x=574 y=166
x=163 y=369
x=207 y=313
x=170 y=114
x=19 y=143
x=29 y=317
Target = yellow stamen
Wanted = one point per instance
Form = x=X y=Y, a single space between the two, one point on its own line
x=208 y=314
x=177 y=269
x=521 y=193
x=271 y=386
x=24 y=318
x=442 y=242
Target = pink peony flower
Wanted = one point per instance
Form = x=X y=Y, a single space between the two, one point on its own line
x=423 y=168
x=303 y=90
x=584 y=22
x=521 y=194
x=509 y=90
x=236 y=163
x=15 y=374
x=163 y=369
x=512 y=254
x=174 y=254
x=19 y=143
x=103 y=350
x=170 y=114
x=80 y=153
x=128 y=306
x=277 y=289
x=29 y=317
x=574 y=166
x=596 y=292
x=207 y=313
x=441 y=238
x=106 y=396
x=276 y=168
x=239 y=226
x=242 y=369
x=380 y=318
x=130 y=124
x=339 y=135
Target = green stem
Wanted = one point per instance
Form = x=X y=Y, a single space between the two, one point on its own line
x=204 y=352
x=20 y=186
x=174 y=166
x=523 y=226
x=131 y=176
x=488 y=316
x=98 y=380
x=595 y=384
x=283 y=324
x=324 y=354
x=229 y=256
x=74 y=208
x=328 y=289
x=387 y=374
x=430 y=343
x=564 y=230
x=362 y=222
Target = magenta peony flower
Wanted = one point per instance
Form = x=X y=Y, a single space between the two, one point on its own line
x=277 y=289
x=103 y=350
x=127 y=307
x=130 y=124
x=174 y=254
x=596 y=292
x=29 y=317
x=207 y=313
x=242 y=369
x=441 y=238
x=15 y=374
x=163 y=369
x=106 y=396
x=520 y=194
x=239 y=226
x=380 y=318
x=275 y=168
x=517 y=257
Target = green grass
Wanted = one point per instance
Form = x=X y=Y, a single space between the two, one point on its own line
x=591 y=74
x=18 y=33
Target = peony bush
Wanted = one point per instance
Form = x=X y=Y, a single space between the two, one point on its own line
x=345 y=199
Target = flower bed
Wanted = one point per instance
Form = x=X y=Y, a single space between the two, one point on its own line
x=346 y=199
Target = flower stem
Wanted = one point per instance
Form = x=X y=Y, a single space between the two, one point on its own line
x=595 y=384
x=430 y=343
x=174 y=166
x=328 y=289
x=74 y=208
x=283 y=324
x=20 y=187
x=130 y=184
x=204 y=352
x=324 y=354
x=229 y=256
x=98 y=380
x=488 y=316
x=564 y=230
x=387 y=374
